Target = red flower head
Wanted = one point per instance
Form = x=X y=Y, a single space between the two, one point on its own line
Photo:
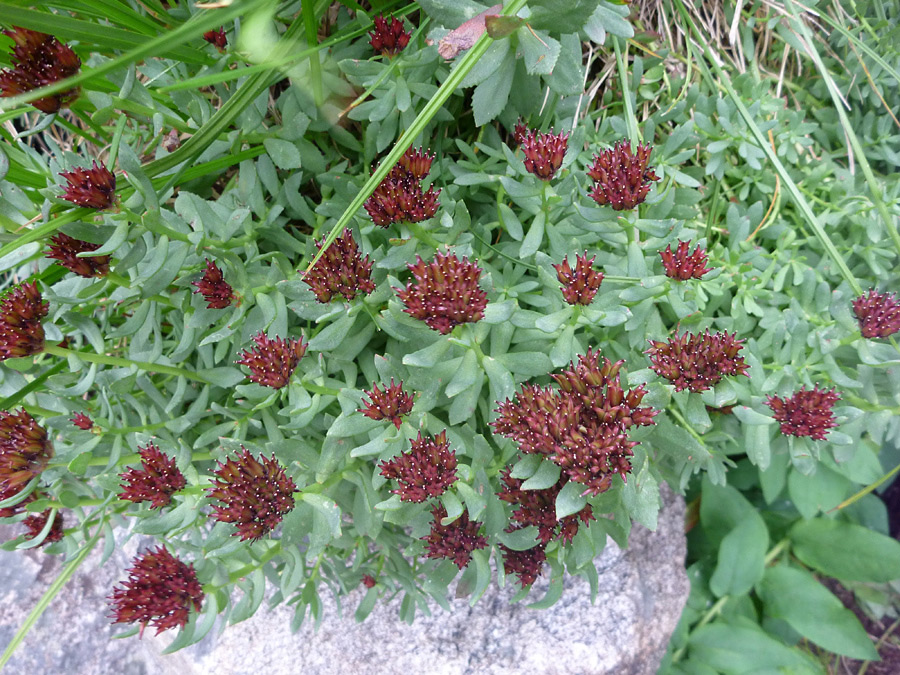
x=579 y=285
x=389 y=38
x=390 y=404
x=368 y=581
x=160 y=591
x=544 y=153
x=25 y=450
x=217 y=38
x=445 y=292
x=93 y=188
x=254 y=495
x=520 y=131
x=681 y=265
x=806 y=412
x=878 y=314
x=455 y=541
x=583 y=426
x=622 y=178
x=212 y=285
x=538 y=508
x=426 y=471
x=82 y=421
x=39 y=60
x=697 y=362
x=35 y=523
x=526 y=565
x=65 y=249
x=272 y=361
x=155 y=482
x=399 y=197
x=15 y=509
x=341 y=270
x=21 y=331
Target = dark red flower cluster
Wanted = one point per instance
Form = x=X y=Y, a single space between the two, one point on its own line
x=538 y=508
x=254 y=495
x=426 y=471
x=155 y=482
x=217 y=38
x=527 y=565
x=806 y=412
x=544 y=153
x=160 y=591
x=65 y=249
x=39 y=60
x=445 y=292
x=697 y=362
x=35 y=523
x=25 y=451
x=622 y=178
x=212 y=285
x=878 y=314
x=93 y=188
x=455 y=541
x=272 y=361
x=82 y=421
x=399 y=197
x=21 y=331
x=368 y=581
x=390 y=404
x=579 y=285
x=582 y=426
x=682 y=265
x=389 y=38
x=341 y=270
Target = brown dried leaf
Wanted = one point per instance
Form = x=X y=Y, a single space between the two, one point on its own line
x=462 y=38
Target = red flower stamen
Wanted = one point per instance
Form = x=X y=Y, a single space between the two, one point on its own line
x=455 y=541
x=21 y=331
x=272 y=361
x=255 y=495
x=93 y=188
x=39 y=60
x=681 y=265
x=878 y=314
x=445 y=292
x=697 y=362
x=389 y=38
x=392 y=403
x=215 y=290
x=426 y=471
x=622 y=178
x=342 y=270
x=155 y=482
x=160 y=591
x=82 y=421
x=806 y=412
x=579 y=285
x=217 y=38
x=544 y=153
x=65 y=249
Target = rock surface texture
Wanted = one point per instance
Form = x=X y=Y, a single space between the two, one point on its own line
x=641 y=595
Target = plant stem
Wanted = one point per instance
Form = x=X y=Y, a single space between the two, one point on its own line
x=121 y=362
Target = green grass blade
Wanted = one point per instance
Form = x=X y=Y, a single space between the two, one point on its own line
x=761 y=140
x=874 y=188
x=70 y=568
x=190 y=30
x=86 y=32
x=428 y=112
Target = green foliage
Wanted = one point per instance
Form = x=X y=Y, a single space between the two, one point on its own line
x=259 y=157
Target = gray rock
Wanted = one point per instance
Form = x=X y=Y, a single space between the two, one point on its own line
x=642 y=592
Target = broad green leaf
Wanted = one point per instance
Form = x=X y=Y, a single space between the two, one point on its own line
x=490 y=97
x=811 y=610
x=741 y=561
x=846 y=551
x=560 y=16
x=743 y=647
x=546 y=476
